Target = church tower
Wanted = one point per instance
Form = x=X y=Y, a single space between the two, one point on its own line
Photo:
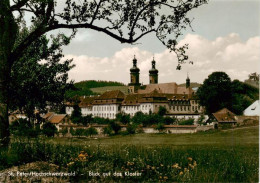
x=188 y=81
x=153 y=74
x=134 y=77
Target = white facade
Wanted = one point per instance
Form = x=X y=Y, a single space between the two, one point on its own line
x=86 y=111
x=106 y=110
x=130 y=109
x=69 y=110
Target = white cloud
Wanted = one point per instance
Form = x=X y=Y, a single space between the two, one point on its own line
x=228 y=54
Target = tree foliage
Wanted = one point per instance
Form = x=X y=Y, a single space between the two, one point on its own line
x=23 y=127
x=215 y=92
x=123 y=118
x=162 y=111
x=49 y=129
x=39 y=78
x=76 y=116
x=125 y=20
x=187 y=122
x=218 y=92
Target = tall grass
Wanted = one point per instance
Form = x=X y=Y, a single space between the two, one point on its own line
x=155 y=163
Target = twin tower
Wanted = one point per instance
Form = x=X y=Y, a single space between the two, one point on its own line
x=134 y=74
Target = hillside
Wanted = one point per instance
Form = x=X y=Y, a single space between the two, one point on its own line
x=92 y=87
x=101 y=90
x=191 y=84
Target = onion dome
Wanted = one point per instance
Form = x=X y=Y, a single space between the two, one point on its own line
x=153 y=70
x=134 y=68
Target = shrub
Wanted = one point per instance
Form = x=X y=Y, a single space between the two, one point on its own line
x=169 y=120
x=201 y=119
x=115 y=126
x=123 y=118
x=159 y=126
x=64 y=131
x=162 y=111
x=187 y=122
x=139 y=118
x=99 y=120
x=23 y=127
x=49 y=129
x=76 y=114
x=72 y=131
x=107 y=130
x=80 y=132
x=91 y=131
x=131 y=128
x=87 y=119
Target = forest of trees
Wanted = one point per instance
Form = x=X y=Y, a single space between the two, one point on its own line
x=83 y=88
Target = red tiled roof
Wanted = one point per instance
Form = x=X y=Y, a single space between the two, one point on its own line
x=132 y=99
x=86 y=101
x=224 y=115
x=162 y=88
x=48 y=115
x=57 y=118
x=115 y=94
x=110 y=97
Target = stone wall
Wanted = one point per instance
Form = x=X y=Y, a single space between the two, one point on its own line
x=205 y=128
x=247 y=120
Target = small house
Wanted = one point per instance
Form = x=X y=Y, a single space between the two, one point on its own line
x=224 y=118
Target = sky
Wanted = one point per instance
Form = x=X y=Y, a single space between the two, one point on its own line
x=226 y=38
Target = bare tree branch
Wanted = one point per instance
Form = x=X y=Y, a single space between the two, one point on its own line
x=19 y=5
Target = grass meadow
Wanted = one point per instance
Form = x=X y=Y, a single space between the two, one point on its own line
x=213 y=156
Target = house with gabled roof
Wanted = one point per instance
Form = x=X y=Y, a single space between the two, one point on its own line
x=224 y=117
x=56 y=119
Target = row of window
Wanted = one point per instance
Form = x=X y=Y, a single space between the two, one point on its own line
x=103 y=108
x=184 y=108
x=137 y=108
x=181 y=102
x=104 y=115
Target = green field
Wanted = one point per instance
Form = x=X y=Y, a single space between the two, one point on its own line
x=233 y=137
x=213 y=156
x=101 y=90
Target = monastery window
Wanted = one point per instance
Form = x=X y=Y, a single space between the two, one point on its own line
x=193 y=108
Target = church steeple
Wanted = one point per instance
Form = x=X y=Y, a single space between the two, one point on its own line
x=187 y=81
x=134 y=74
x=153 y=73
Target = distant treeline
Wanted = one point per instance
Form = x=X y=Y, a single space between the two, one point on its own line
x=83 y=88
x=96 y=84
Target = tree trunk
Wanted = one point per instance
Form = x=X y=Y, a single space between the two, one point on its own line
x=8 y=33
